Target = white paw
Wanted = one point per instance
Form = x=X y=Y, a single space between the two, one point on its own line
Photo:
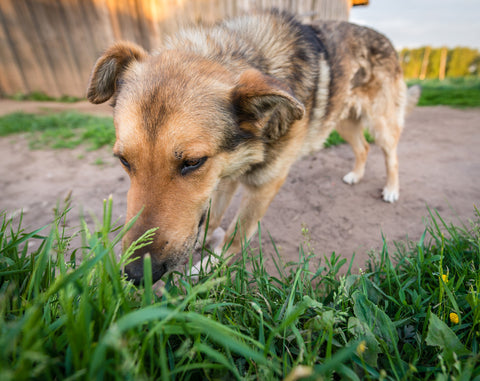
x=195 y=269
x=350 y=178
x=216 y=239
x=206 y=265
x=389 y=195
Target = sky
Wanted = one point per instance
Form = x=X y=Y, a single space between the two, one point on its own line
x=414 y=23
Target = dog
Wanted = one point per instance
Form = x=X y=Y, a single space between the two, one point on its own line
x=238 y=103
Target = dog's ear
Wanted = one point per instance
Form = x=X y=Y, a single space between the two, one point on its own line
x=108 y=69
x=266 y=102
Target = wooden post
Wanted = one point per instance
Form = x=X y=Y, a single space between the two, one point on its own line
x=426 y=56
x=443 y=64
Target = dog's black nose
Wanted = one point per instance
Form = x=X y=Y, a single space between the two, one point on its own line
x=134 y=271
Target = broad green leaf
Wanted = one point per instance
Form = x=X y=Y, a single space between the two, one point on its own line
x=369 y=314
x=362 y=331
x=441 y=335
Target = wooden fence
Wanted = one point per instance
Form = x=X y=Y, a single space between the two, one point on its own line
x=49 y=46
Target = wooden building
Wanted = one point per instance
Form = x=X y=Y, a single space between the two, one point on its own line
x=49 y=46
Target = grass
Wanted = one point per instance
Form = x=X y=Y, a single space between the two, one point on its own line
x=42 y=97
x=71 y=129
x=60 y=130
x=334 y=139
x=67 y=312
x=455 y=92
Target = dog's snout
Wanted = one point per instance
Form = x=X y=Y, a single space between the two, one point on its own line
x=135 y=272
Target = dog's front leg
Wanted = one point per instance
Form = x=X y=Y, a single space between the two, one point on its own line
x=215 y=234
x=254 y=204
x=220 y=201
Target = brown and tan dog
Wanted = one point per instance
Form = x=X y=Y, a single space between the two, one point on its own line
x=238 y=103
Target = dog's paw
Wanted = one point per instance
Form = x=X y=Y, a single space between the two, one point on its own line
x=351 y=178
x=194 y=271
x=216 y=240
x=206 y=265
x=390 y=195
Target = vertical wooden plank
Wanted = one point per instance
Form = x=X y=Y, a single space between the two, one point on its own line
x=80 y=43
x=443 y=64
x=97 y=22
x=152 y=19
x=163 y=19
x=11 y=78
x=177 y=15
x=426 y=57
x=31 y=58
x=51 y=84
x=114 y=21
x=127 y=17
x=54 y=34
x=143 y=23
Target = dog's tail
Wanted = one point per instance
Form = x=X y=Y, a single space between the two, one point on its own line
x=413 y=95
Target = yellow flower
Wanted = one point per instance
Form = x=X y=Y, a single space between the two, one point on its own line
x=445 y=278
x=362 y=346
x=454 y=318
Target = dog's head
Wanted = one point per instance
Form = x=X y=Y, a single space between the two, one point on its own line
x=182 y=124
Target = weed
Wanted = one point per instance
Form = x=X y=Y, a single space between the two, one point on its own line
x=99 y=161
x=70 y=313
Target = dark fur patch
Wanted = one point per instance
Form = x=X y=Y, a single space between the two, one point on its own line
x=360 y=78
x=154 y=113
x=235 y=137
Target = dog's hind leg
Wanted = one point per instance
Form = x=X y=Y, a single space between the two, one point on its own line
x=387 y=135
x=352 y=131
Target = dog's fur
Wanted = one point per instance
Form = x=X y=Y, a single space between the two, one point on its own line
x=238 y=103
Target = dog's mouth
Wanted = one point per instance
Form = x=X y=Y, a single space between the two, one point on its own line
x=159 y=271
x=203 y=218
x=135 y=273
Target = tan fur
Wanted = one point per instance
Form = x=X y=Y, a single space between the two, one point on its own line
x=238 y=104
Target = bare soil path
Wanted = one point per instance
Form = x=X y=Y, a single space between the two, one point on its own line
x=439 y=168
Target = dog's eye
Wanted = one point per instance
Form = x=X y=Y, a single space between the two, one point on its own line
x=191 y=165
x=124 y=161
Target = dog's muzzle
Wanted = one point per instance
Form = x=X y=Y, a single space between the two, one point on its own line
x=134 y=271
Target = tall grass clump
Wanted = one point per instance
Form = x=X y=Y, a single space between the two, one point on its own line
x=70 y=129
x=69 y=313
x=39 y=96
x=463 y=92
x=60 y=130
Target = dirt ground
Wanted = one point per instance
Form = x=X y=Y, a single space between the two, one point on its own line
x=439 y=167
